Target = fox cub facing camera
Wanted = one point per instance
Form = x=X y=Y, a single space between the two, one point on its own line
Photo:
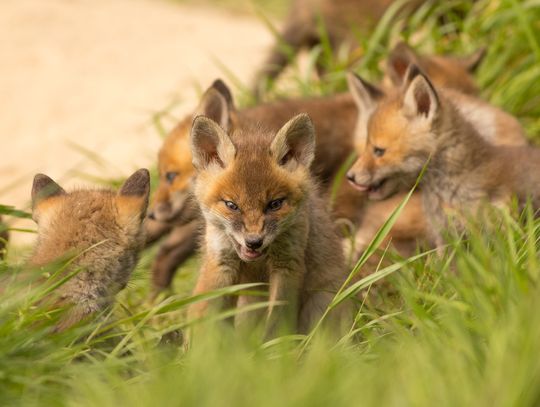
x=265 y=221
x=103 y=229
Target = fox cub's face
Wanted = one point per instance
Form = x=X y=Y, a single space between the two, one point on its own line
x=400 y=139
x=172 y=200
x=78 y=220
x=172 y=197
x=251 y=185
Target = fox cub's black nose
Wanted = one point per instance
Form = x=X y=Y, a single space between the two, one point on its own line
x=351 y=177
x=254 y=243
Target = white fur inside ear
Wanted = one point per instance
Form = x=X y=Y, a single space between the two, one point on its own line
x=420 y=99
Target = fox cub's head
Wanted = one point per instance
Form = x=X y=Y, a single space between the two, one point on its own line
x=172 y=199
x=443 y=71
x=78 y=220
x=400 y=138
x=251 y=185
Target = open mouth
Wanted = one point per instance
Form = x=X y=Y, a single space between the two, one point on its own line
x=377 y=186
x=372 y=188
x=247 y=254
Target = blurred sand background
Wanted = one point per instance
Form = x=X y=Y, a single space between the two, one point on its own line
x=92 y=73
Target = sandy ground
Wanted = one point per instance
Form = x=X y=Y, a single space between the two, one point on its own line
x=91 y=74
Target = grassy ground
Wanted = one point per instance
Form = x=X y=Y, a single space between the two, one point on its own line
x=461 y=329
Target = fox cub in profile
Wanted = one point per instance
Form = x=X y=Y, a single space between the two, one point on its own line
x=420 y=125
x=103 y=229
x=264 y=219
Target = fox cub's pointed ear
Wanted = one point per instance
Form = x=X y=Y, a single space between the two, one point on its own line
x=222 y=88
x=294 y=143
x=365 y=94
x=217 y=104
x=210 y=144
x=134 y=193
x=137 y=185
x=473 y=61
x=399 y=59
x=44 y=188
x=420 y=98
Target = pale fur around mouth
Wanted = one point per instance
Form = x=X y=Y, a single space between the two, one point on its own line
x=247 y=254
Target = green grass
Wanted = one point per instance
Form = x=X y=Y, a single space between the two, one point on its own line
x=457 y=329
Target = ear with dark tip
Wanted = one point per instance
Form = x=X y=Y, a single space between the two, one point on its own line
x=138 y=184
x=210 y=144
x=215 y=106
x=44 y=188
x=294 y=143
x=133 y=195
x=222 y=88
x=398 y=61
x=420 y=98
x=473 y=61
x=365 y=94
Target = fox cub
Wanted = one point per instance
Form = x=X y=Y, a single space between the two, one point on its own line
x=343 y=21
x=264 y=219
x=420 y=125
x=101 y=228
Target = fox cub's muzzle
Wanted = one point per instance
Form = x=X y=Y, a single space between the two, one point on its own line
x=254 y=242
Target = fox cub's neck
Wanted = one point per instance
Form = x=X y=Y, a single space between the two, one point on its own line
x=459 y=147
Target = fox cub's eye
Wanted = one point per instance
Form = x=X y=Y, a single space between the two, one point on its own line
x=378 y=152
x=170 y=176
x=231 y=205
x=275 y=205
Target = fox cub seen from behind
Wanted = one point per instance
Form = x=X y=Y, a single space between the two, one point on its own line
x=101 y=228
x=264 y=219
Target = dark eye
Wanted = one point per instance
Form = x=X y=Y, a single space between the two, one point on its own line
x=231 y=205
x=275 y=205
x=170 y=176
x=378 y=152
